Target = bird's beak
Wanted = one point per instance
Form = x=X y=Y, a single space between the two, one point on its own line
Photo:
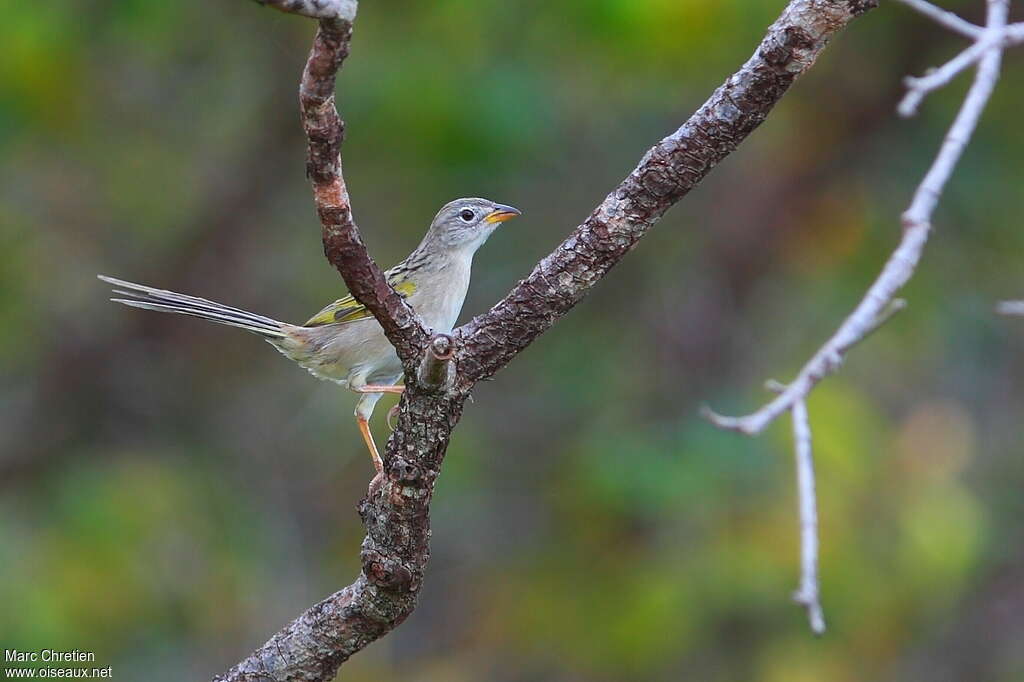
x=501 y=213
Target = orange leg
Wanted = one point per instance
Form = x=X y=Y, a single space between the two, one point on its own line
x=376 y=388
x=364 y=428
x=363 y=415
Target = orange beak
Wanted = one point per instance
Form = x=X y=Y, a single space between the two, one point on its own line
x=501 y=213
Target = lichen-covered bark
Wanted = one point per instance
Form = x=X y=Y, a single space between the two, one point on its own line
x=396 y=509
x=394 y=555
x=664 y=175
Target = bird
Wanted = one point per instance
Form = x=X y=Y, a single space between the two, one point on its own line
x=343 y=342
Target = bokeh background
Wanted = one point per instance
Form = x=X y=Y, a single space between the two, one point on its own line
x=172 y=492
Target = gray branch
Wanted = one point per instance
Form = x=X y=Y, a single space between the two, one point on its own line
x=665 y=174
x=880 y=302
x=808 y=594
x=900 y=267
x=1010 y=308
x=344 y=10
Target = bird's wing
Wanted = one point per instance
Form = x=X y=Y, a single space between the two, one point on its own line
x=348 y=309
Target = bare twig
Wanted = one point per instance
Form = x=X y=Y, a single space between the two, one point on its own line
x=984 y=38
x=919 y=88
x=1010 y=307
x=945 y=18
x=316 y=9
x=879 y=304
x=902 y=263
x=807 y=595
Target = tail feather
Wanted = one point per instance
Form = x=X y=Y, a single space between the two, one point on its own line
x=161 y=300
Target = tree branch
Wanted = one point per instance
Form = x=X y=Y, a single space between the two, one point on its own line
x=664 y=175
x=1013 y=33
x=436 y=371
x=396 y=510
x=808 y=594
x=902 y=263
x=945 y=18
x=1010 y=308
x=343 y=245
x=316 y=9
x=880 y=303
x=394 y=555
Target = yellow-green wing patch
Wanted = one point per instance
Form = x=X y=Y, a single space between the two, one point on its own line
x=348 y=309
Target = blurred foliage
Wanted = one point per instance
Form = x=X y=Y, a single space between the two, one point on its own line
x=172 y=493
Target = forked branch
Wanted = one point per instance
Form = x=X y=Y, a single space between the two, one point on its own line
x=343 y=244
x=880 y=302
x=900 y=267
x=665 y=174
x=396 y=511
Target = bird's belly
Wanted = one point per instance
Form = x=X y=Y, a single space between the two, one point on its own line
x=350 y=354
x=358 y=353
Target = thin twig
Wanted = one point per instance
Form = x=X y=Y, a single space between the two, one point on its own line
x=902 y=263
x=316 y=9
x=919 y=88
x=945 y=18
x=984 y=38
x=1013 y=33
x=807 y=595
x=1010 y=307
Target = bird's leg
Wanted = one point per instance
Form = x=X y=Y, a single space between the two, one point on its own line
x=364 y=428
x=371 y=393
x=364 y=409
x=376 y=388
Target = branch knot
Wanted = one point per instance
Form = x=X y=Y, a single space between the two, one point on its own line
x=437 y=371
x=386 y=573
x=404 y=472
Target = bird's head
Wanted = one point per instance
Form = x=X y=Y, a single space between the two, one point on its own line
x=467 y=223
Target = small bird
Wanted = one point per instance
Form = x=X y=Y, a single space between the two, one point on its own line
x=343 y=342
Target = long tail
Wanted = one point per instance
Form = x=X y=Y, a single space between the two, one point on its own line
x=140 y=296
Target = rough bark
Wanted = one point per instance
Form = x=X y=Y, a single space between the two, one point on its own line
x=664 y=175
x=396 y=510
x=394 y=555
x=343 y=244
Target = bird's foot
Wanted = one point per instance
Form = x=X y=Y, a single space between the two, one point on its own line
x=392 y=413
x=375 y=483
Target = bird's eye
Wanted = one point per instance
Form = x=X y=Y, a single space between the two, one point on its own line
x=467 y=215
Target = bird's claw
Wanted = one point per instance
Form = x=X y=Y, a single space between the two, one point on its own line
x=392 y=413
x=375 y=483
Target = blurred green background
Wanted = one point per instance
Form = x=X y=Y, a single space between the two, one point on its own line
x=171 y=492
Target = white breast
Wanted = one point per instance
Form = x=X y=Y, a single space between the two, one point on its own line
x=439 y=295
